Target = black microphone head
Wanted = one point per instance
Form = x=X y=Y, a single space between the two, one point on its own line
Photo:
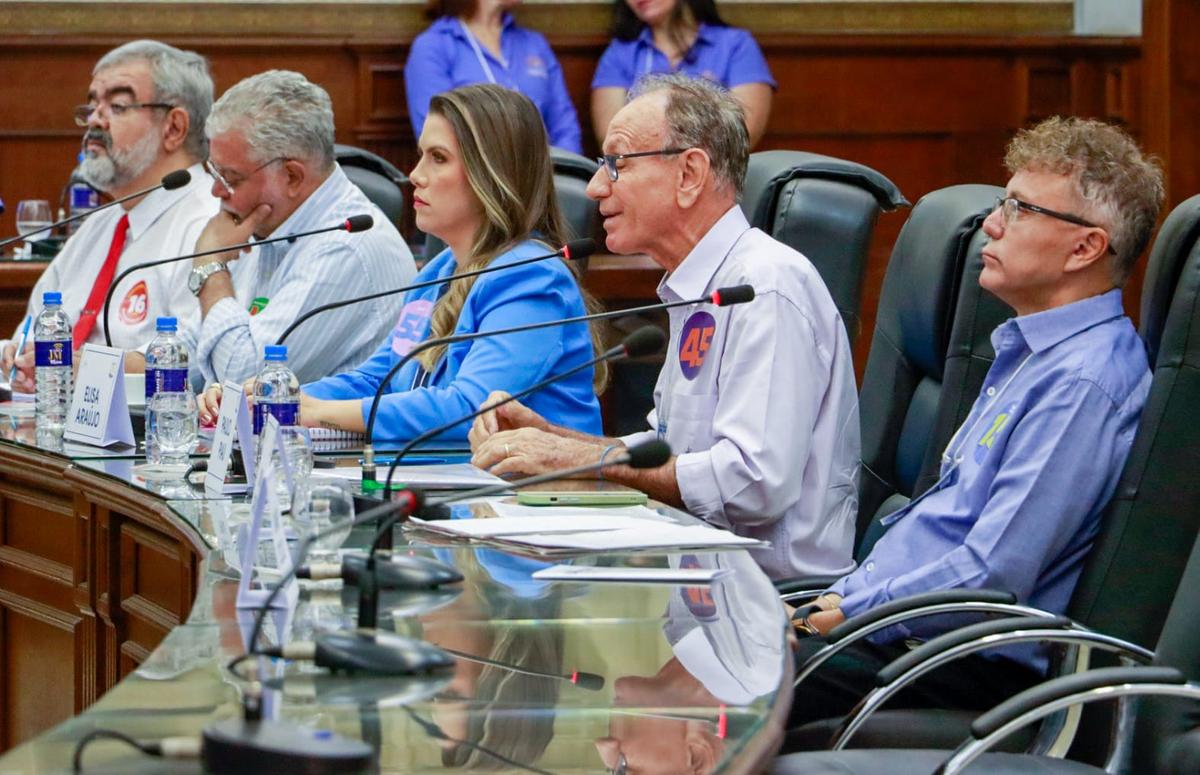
x=579 y=248
x=589 y=681
x=176 y=179
x=356 y=223
x=734 y=294
x=649 y=454
x=647 y=340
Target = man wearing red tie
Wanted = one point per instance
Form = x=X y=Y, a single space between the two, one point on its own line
x=144 y=118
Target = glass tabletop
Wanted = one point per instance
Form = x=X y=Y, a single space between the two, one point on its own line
x=547 y=675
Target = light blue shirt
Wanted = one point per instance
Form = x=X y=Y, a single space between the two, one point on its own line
x=469 y=371
x=728 y=55
x=447 y=56
x=1024 y=480
x=276 y=283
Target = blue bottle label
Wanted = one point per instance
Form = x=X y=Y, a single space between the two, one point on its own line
x=165 y=381
x=286 y=414
x=83 y=198
x=52 y=353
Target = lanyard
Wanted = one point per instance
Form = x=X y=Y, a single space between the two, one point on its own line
x=955 y=456
x=487 y=70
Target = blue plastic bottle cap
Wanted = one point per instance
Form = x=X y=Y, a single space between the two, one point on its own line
x=276 y=352
x=52 y=297
x=167 y=324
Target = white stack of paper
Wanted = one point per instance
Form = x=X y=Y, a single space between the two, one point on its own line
x=448 y=476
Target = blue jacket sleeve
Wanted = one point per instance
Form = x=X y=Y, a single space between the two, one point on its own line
x=522 y=295
x=426 y=74
x=747 y=63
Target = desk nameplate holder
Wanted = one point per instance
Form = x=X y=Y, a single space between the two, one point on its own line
x=232 y=421
x=266 y=501
x=99 y=414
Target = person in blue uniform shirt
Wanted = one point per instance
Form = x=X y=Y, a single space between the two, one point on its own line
x=1025 y=478
x=686 y=36
x=477 y=41
x=484 y=186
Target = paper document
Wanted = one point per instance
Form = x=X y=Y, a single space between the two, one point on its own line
x=500 y=527
x=589 y=573
x=450 y=476
x=508 y=509
x=646 y=535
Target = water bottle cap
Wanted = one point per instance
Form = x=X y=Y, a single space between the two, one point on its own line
x=167 y=324
x=81 y=157
x=52 y=297
x=276 y=352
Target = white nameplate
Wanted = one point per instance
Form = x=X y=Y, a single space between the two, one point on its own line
x=99 y=414
x=265 y=502
x=232 y=421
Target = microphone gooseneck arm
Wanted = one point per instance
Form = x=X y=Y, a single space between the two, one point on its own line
x=572 y=251
x=173 y=180
x=344 y=226
x=721 y=297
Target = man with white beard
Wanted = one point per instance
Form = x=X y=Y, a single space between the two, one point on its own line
x=145 y=113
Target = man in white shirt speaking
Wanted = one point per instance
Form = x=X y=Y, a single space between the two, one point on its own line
x=145 y=113
x=758 y=400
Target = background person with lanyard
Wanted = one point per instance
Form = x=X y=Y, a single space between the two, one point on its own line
x=680 y=36
x=477 y=41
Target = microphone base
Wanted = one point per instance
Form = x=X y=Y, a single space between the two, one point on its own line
x=238 y=746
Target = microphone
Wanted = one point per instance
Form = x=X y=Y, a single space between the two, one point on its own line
x=170 y=181
x=722 y=297
x=584 y=680
x=397 y=571
x=574 y=250
x=366 y=651
x=649 y=454
x=647 y=340
x=353 y=225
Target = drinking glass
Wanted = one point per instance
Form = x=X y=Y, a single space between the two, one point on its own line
x=32 y=214
x=170 y=427
x=321 y=504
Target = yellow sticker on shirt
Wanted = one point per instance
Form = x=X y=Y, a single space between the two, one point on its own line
x=989 y=438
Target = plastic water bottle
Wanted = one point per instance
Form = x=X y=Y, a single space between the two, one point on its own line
x=171 y=423
x=166 y=361
x=83 y=198
x=52 y=366
x=276 y=390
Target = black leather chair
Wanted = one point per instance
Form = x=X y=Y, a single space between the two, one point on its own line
x=824 y=207
x=582 y=215
x=929 y=352
x=378 y=178
x=1148 y=528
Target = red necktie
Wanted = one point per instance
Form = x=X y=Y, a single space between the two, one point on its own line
x=87 y=318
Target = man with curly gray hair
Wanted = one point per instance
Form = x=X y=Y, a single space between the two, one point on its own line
x=143 y=118
x=271 y=158
x=1025 y=478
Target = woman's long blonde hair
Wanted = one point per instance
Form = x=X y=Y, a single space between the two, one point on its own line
x=504 y=149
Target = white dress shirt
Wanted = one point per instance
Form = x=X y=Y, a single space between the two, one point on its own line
x=161 y=225
x=276 y=283
x=758 y=401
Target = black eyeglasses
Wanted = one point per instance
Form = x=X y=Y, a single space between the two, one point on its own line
x=114 y=109
x=609 y=160
x=1009 y=206
x=228 y=185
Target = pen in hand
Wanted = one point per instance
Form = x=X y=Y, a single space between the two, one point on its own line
x=12 y=373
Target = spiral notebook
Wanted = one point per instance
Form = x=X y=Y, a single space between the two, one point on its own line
x=334 y=434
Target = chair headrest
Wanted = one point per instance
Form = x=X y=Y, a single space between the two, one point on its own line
x=569 y=163
x=1175 y=242
x=768 y=171
x=349 y=156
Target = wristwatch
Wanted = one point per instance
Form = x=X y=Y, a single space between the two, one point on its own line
x=200 y=275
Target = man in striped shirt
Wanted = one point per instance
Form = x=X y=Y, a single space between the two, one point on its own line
x=271 y=158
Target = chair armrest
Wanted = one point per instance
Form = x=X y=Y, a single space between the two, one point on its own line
x=1060 y=693
x=803 y=587
x=969 y=640
x=914 y=602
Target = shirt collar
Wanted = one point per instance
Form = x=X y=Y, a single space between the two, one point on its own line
x=704 y=34
x=157 y=202
x=1042 y=330
x=692 y=277
x=452 y=25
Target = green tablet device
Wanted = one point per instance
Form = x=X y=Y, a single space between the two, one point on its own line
x=624 y=497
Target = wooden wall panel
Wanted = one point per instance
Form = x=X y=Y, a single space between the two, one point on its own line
x=36 y=641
